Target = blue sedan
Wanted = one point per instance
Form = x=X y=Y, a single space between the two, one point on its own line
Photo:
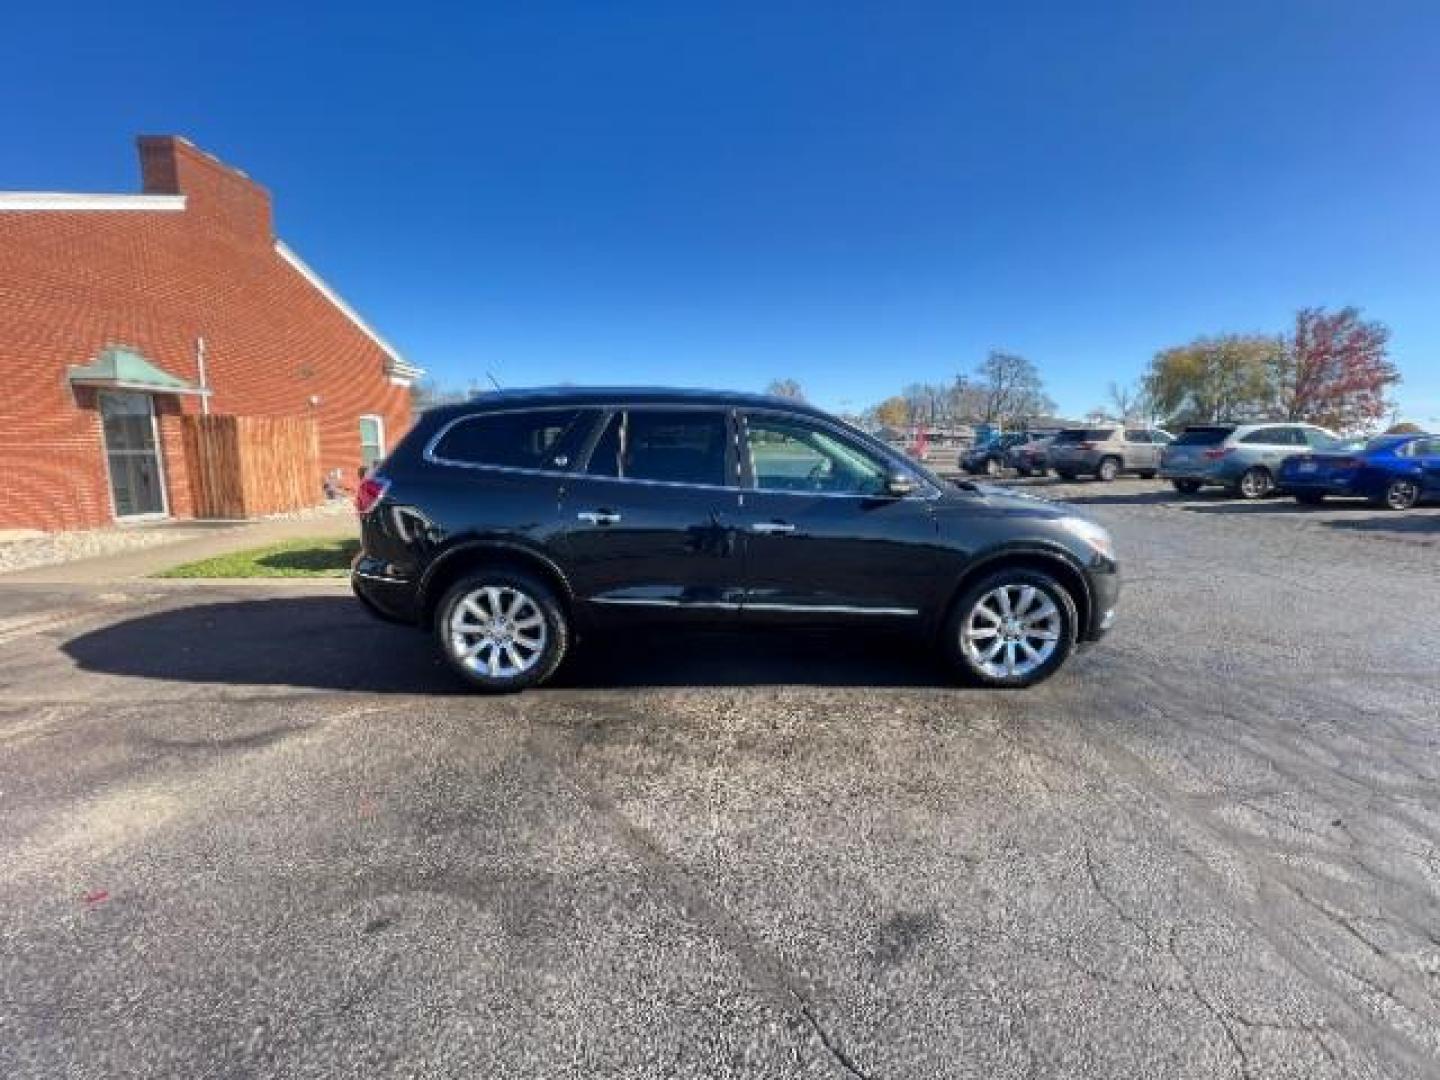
x=1393 y=471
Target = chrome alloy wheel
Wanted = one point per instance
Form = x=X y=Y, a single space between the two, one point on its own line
x=1402 y=494
x=497 y=631
x=1011 y=631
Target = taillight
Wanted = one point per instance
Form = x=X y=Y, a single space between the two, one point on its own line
x=1088 y=445
x=371 y=490
x=1216 y=455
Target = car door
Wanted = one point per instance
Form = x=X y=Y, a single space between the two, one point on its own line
x=1141 y=454
x=1268 y=447
x=822 y=538
x=1428 y=451
x=648 y=523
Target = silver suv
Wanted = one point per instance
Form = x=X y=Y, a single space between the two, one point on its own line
x=1106 y=452
x=1245 y=458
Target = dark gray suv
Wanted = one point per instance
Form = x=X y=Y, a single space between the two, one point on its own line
x=520 y=522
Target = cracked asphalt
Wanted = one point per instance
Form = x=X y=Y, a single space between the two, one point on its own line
x=247 y=831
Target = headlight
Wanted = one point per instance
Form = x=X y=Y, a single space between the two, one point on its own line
x=1097 y=536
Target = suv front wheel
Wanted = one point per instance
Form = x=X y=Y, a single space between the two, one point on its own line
x=501 y=630
x=1012 y=629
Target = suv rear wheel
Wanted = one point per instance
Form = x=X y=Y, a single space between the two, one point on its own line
x=501 y=630
x=1109 y=469
x=1186 y=487
x=1011 y=629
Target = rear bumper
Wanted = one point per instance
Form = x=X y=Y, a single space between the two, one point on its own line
x=382 y=591
x=1217 y=472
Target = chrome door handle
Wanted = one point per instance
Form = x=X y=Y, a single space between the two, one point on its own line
x=599 y=517
x=771 y=527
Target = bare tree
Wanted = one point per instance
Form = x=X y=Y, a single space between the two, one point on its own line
x=1012 y=388
x=786 y=388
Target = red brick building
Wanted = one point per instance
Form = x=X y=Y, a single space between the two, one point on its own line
x=120 y=312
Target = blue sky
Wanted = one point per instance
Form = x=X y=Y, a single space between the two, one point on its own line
x=854 y=195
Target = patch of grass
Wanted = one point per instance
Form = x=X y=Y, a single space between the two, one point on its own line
x=291 y=559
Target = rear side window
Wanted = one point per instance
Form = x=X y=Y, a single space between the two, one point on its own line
x=682 y=446
x=1079 y=435
x=1137 y=435
x=1277 y=436
x=1204 y=436
x=535 y=439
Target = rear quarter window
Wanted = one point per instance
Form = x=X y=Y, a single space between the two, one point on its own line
x=534 y=439
x=1204 y=436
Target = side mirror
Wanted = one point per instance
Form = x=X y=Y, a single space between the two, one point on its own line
x=899 y=484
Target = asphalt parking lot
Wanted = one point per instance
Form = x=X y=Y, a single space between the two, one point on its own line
x=247 y=831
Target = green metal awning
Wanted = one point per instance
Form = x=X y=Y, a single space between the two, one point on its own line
x=119 y=368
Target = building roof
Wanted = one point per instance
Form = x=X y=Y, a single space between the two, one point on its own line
x=397 y=367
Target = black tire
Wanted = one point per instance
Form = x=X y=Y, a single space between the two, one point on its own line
x=1310 y=498
x=1108 y=469
x=1256 y=483
x=1065 y=474
x=1148 y=475
x=484 y=673
x=1019 y=471
x=1400 y=494
x=970 y=666
x=1186 y=487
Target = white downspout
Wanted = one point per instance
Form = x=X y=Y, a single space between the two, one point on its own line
x=204 y=382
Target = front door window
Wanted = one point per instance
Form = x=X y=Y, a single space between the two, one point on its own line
x=132 y=452
x=787 y=455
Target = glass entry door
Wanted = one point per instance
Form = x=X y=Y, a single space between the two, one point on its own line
x=132 y=451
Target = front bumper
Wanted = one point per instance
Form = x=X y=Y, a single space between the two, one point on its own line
x=1104 y=601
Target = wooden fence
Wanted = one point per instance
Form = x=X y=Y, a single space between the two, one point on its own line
x=248 y=466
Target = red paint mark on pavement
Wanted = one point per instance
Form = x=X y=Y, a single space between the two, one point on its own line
x=99 y=896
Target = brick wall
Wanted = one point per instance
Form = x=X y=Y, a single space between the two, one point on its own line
x=74 y=281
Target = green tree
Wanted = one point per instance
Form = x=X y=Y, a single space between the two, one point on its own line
x=1221 y=378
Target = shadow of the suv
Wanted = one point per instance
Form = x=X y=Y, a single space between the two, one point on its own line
x=329 y=643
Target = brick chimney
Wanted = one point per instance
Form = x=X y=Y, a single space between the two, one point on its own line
x=171 y=165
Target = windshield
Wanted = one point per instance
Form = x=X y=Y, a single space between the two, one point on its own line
x=1204 y=436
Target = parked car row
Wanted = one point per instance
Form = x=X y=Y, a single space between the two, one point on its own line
x=1251 y=461
x=1104 y=452
x=1306 y=462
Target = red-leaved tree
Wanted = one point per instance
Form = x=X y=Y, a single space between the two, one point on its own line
x=1336 y=370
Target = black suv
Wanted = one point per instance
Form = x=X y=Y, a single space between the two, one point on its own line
x=520 y=521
